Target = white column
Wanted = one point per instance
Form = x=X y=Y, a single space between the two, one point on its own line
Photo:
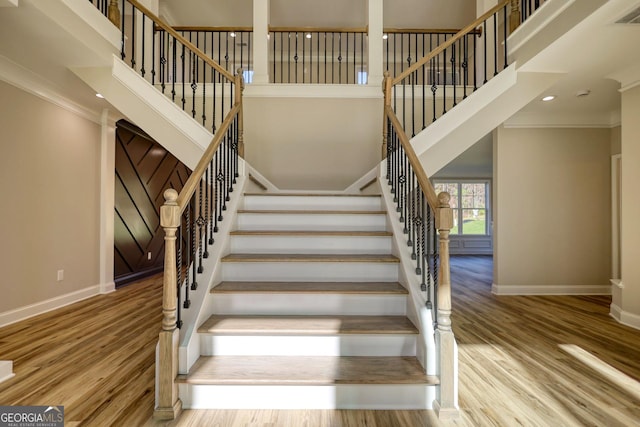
x=260 y=41
x=375 y=16
x=107 y=201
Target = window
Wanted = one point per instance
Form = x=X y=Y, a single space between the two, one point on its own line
x=470 y=204
x=247 y=76
x=362 y=77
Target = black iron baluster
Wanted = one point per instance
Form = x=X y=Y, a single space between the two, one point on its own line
x=212 y=206
x=123 y=53
x=325 y=57
x=318 y=57
x=453 y=73
x=504 y=13
x=194 y=249
x=362 y=57
x=289 y=58
x=180 y=246
x=295 y=58
x=187 y=301
x=200 y=222
x=495 y=45
x=204 y=82
x=281 y=59
x=339 y=57
x=133 y=36
x=304 y=38
x=427 y=255
x=475 y=64
x=444 y=85
x=153 y=56
x=142 y=70
x=194 y=84
x=465 y=64
x=485 y=51
x=424 y=86
x=226 y=50
x=175 y=69
x=182 y=57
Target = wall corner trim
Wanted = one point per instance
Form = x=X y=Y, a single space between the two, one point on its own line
x=624 y=317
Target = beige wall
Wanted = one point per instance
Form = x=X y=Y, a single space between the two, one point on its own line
x=552 y=209
x=313 y=143
x=630 y=303
x=50 y=171
x=616 y=140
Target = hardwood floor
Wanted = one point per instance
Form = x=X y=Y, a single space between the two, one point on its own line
x=533 y=361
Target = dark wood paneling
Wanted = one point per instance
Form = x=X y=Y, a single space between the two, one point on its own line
x=144 y=170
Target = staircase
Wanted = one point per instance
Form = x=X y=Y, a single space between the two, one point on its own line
x=309 y=313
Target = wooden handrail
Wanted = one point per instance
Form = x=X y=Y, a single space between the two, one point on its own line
x=421 y=175
x=194 y=179
x=182 y=40
x=427 y=31
x=210 y=29
x=435 y=52
x=317 y=30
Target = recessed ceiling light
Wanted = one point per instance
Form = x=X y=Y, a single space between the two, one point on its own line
x=549 y=98
x=583 y=92
x=99 y=95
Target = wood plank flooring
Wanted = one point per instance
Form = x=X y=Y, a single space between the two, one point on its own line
x=526 y=361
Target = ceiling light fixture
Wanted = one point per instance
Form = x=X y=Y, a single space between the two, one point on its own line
x=549 y=98
x=232 y=34
x=99 y=95
x=308 y=35
x=385 y=36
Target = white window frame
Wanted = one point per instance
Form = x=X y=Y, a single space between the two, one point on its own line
x=488 y=207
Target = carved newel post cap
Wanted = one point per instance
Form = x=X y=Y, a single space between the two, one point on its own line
x=443 y=199
x=171 y=196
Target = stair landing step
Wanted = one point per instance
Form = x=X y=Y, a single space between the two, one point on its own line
x=310 y=258
x=316 y=233
x=311 y=287
x=306 y=370
x=310 y=211
x=306 y=325
x=310 y=194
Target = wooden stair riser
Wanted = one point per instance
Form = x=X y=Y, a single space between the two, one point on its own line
x=305 y=244
x=342 y=396
x=313 y=202
x=295 y=345
x=309 y=304
x=310 y=271
x=311 y=221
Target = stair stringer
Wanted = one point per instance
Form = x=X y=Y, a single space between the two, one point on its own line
x=480 y=113
x=417 y=310
x=149 y=109
x=202 y=301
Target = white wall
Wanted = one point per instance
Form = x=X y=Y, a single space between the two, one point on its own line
x=552 y=215
x=50 y=171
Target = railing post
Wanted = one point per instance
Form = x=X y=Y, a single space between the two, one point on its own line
x=168 y=405
x=515 y=17
x=446 y=404
x=238 y=100
x=114 y=13
x=386 y=89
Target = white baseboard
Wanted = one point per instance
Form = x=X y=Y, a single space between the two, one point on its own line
x=6 y=370
x=624 y=317
x=22 y=313
x=550 y=290
x=107 y=288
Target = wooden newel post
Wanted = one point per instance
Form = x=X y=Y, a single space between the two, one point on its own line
x=238 y=94
x=168 y=405
x=114 y=13
x=514 y=18
x=446 y=404
x=386 y=89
